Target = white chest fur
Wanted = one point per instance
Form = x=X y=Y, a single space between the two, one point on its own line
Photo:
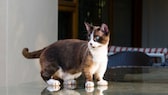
x=99 y=58
x=99 y=54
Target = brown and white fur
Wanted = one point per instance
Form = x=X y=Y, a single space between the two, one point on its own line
x=68 y=59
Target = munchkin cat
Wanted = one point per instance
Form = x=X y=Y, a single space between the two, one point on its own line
x=67 y=59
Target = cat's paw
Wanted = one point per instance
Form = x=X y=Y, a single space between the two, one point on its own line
x=89 y=84
x=53 y=88
x=53 y=82
x=102 y=83
x=70 y=82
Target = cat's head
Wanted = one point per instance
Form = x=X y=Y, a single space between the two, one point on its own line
x=98 y=36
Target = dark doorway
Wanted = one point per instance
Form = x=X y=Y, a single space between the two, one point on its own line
x=65 y=25
x=124 y=18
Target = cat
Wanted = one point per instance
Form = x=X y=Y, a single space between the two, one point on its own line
x=68 y=59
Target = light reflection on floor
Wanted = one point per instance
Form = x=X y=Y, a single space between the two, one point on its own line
x=114 y=88
x=77 y=91
x=153 y=82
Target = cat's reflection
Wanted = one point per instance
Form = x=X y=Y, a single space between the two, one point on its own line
x=73 y=90
x=96 y=91
x=60 y=92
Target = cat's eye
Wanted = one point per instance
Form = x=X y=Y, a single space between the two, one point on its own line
x=97 y=39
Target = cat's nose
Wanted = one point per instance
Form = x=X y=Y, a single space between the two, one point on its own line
x=92 y=45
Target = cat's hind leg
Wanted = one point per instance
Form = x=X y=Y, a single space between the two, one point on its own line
x=53 y=82
x=69 y=79
x=47 y=75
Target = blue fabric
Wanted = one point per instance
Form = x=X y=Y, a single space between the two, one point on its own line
x=129 y=59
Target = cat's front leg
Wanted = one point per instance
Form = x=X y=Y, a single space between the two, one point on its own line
x=53 y=82
x=102 y=82
x=89 y=79
x=99 y=77
x=89 y=84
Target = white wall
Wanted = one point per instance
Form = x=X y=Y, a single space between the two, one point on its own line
x=155 y=23
x=24 y=23
x=2 y=42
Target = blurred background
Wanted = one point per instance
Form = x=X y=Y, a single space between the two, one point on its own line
x=38 y=23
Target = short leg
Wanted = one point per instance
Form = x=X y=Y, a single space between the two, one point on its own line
x=89 y=84
x=53 y=82
x=100 y=80
x=53 y=88
x=89 y=80
x=102 y=83
x=47 y=77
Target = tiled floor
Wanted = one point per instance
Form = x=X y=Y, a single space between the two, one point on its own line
x=153 y=82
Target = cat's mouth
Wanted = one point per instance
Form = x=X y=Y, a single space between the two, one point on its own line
x=93 y=46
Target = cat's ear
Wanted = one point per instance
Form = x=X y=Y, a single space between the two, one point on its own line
x=104 y=28
x=89 y=27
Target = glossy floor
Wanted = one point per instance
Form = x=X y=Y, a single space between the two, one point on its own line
x=114 y=88
x=153 y=82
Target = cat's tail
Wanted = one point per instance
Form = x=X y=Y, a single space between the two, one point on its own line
x=32 y=55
